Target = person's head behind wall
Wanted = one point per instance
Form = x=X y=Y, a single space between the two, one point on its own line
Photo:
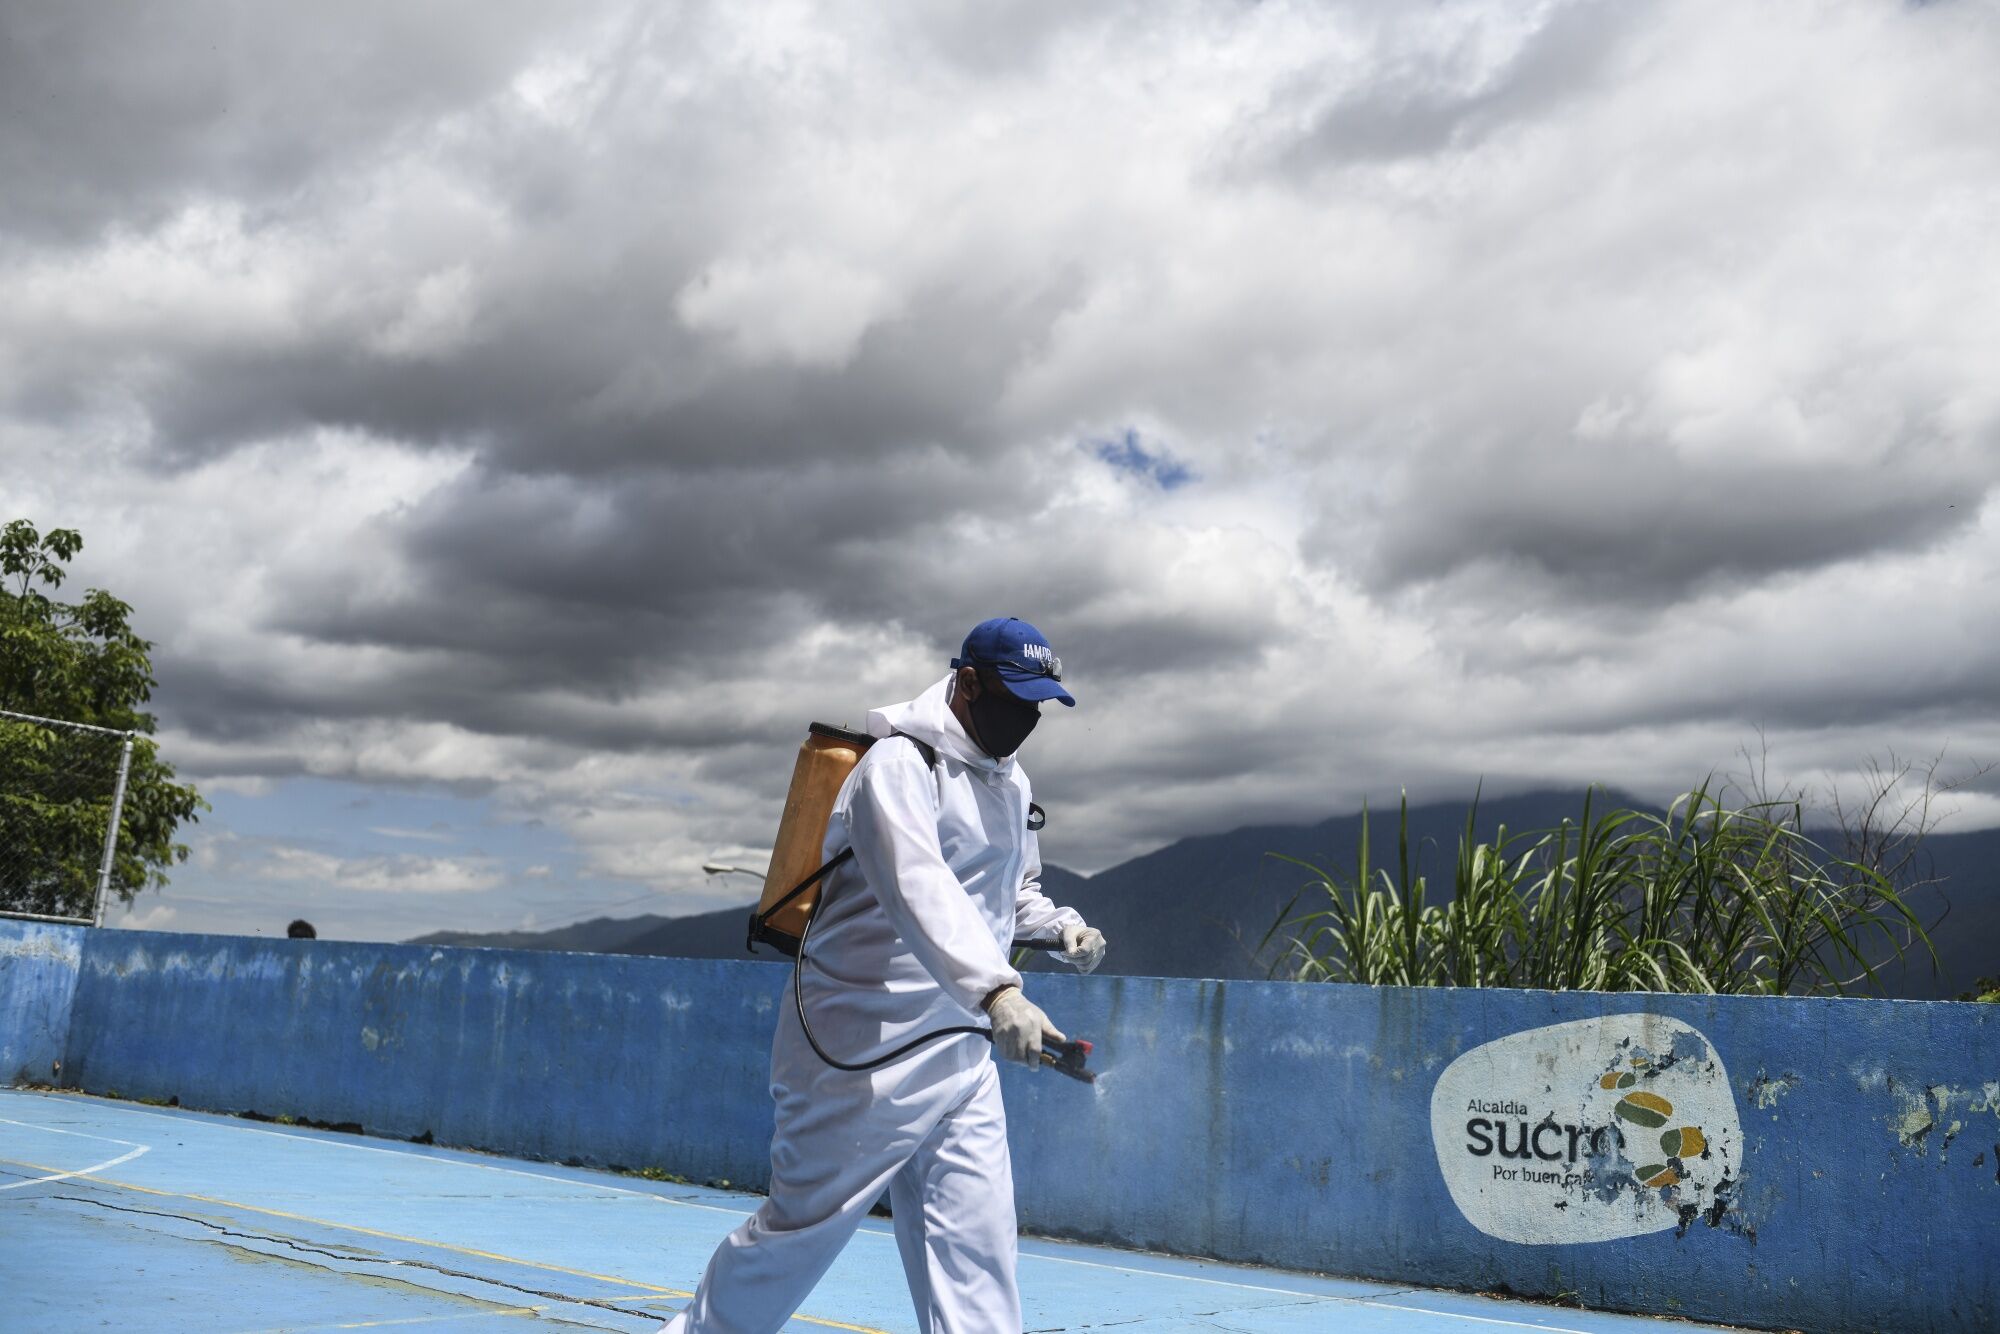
x=301 y=929
x=1003 y=673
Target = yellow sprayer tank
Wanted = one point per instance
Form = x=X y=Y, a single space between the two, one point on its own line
x=826 y=757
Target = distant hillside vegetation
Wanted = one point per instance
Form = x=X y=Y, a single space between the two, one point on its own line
x=1199 y=907
x=711 y=935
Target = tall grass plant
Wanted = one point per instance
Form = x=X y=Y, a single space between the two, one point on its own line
x=1705 y=897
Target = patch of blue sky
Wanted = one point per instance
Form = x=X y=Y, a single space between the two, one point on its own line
x=353 y=819
x=1129 y=453
x=393 y=863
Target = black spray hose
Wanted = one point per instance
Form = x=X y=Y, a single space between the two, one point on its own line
x=805 y=1025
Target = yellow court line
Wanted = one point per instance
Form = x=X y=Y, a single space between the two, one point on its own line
x=426 y=1241
x=411 y=1320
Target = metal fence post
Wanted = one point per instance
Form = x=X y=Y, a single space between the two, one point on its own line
x=111 y=830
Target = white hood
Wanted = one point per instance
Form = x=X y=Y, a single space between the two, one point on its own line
x=929 y=719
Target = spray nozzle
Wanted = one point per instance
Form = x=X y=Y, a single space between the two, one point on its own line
x=1067 y=1058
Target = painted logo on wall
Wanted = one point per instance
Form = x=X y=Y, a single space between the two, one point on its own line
x=1588 y=1131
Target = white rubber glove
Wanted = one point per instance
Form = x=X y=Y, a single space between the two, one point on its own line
x=1019 y=1027
x=1083 y=947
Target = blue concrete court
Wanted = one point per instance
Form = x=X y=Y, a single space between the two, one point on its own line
x=118 y=1215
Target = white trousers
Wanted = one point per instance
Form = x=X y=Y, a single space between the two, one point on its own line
x=940 y=1150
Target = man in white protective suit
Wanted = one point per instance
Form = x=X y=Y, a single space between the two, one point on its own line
x=912 y=936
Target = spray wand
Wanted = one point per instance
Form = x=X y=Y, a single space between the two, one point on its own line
x=1067 y=1058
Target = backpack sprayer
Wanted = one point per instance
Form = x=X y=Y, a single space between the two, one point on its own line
x=787 y=908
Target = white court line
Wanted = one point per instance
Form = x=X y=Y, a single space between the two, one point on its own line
x=80 y=1172
x=58 y=1130
x=1481 y=1319
x=202 y=1118
x=135 y=1147
x=222 y=1121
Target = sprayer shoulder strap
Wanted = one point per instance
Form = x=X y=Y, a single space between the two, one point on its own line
x=925 y=749
x=1037 y=817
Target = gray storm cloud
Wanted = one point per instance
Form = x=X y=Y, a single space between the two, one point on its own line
x=548 y=401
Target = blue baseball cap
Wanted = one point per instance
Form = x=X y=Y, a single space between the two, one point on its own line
x=1016 y=651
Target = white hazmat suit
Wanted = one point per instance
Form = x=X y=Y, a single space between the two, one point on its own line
x=912 y=934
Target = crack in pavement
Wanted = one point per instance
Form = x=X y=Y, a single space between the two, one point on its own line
x=1304 y=1301
x=1202 y=1316
x=352 y=1258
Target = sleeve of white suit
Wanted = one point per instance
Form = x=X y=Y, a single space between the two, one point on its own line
x=892 y=821
x=1036 y=917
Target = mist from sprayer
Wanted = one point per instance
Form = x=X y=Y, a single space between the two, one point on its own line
x=1107 y=1083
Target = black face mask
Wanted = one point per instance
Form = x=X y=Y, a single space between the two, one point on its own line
x=1000 y=722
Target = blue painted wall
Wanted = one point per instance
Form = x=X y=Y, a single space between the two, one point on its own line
x=38 y=969
x=1264 y=1122
x=599 y=1059
x=1290 y=1125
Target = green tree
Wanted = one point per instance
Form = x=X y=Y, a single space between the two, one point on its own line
x=1986 y=991
x=77 y=662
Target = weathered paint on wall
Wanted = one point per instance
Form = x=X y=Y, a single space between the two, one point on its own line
x=38 y=968
x=600 y=1059
x=1589 y=1130
x=1292 y=1126
x=1266 y=1122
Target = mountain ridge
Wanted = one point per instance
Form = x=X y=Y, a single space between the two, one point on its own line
x=1200 y=906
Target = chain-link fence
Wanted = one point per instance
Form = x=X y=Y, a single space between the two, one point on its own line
x=62 y=789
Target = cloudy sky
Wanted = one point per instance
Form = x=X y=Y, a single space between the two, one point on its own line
x=514 y=421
